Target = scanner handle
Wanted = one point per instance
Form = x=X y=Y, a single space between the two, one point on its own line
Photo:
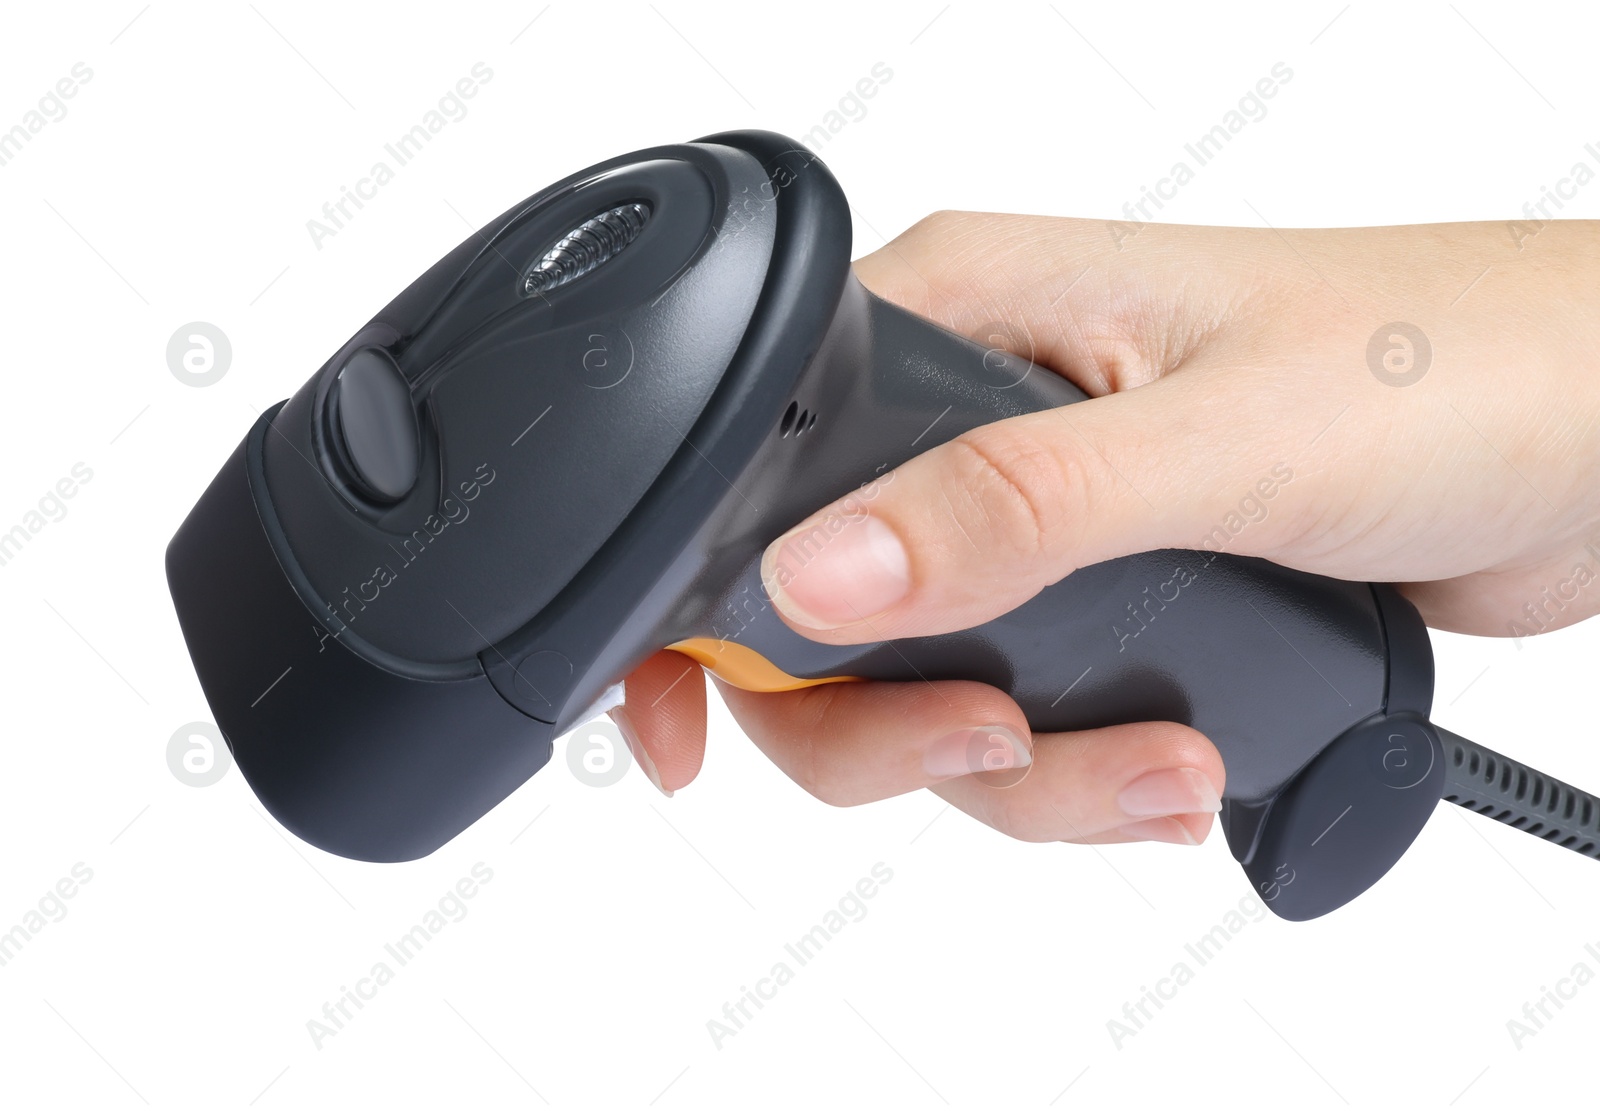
x=1274 y=665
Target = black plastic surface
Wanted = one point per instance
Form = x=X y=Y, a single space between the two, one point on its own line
x=538 y=404
x=352 y=758
x=598 y=470
x=1348 y=817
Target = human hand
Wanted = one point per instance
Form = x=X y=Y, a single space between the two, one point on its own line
x=1456 y=455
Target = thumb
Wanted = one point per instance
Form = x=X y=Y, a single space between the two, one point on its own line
x=975 y=527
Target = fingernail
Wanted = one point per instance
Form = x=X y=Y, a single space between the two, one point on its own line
x=624 y=724
x=1170 y=830
x=836 y=571
x=1170 y=791
x=988 y=748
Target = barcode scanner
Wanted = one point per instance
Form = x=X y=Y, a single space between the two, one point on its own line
x=565 y=446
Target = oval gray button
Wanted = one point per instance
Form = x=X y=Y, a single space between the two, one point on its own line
x=379 y=424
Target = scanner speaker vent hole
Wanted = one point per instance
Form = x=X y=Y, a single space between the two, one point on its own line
x=796 y=420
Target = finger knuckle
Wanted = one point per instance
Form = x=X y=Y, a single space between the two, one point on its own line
x=1175 y=745
x=819 y=766
x=935 y=227
x=1021 y=494
x=927 y=247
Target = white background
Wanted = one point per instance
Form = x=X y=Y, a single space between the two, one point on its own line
x=177 y=188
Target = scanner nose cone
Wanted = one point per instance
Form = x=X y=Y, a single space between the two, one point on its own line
x=354 y=758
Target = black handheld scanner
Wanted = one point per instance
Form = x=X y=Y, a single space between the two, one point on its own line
x=565 y=447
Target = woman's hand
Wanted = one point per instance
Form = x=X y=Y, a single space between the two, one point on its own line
x=1431 y=392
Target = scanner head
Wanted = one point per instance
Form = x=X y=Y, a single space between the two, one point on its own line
x=426 y=564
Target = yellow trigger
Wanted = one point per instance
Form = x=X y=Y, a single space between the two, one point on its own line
x=746 y=668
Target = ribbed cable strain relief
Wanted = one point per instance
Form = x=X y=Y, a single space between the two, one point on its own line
x=1499 y=787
